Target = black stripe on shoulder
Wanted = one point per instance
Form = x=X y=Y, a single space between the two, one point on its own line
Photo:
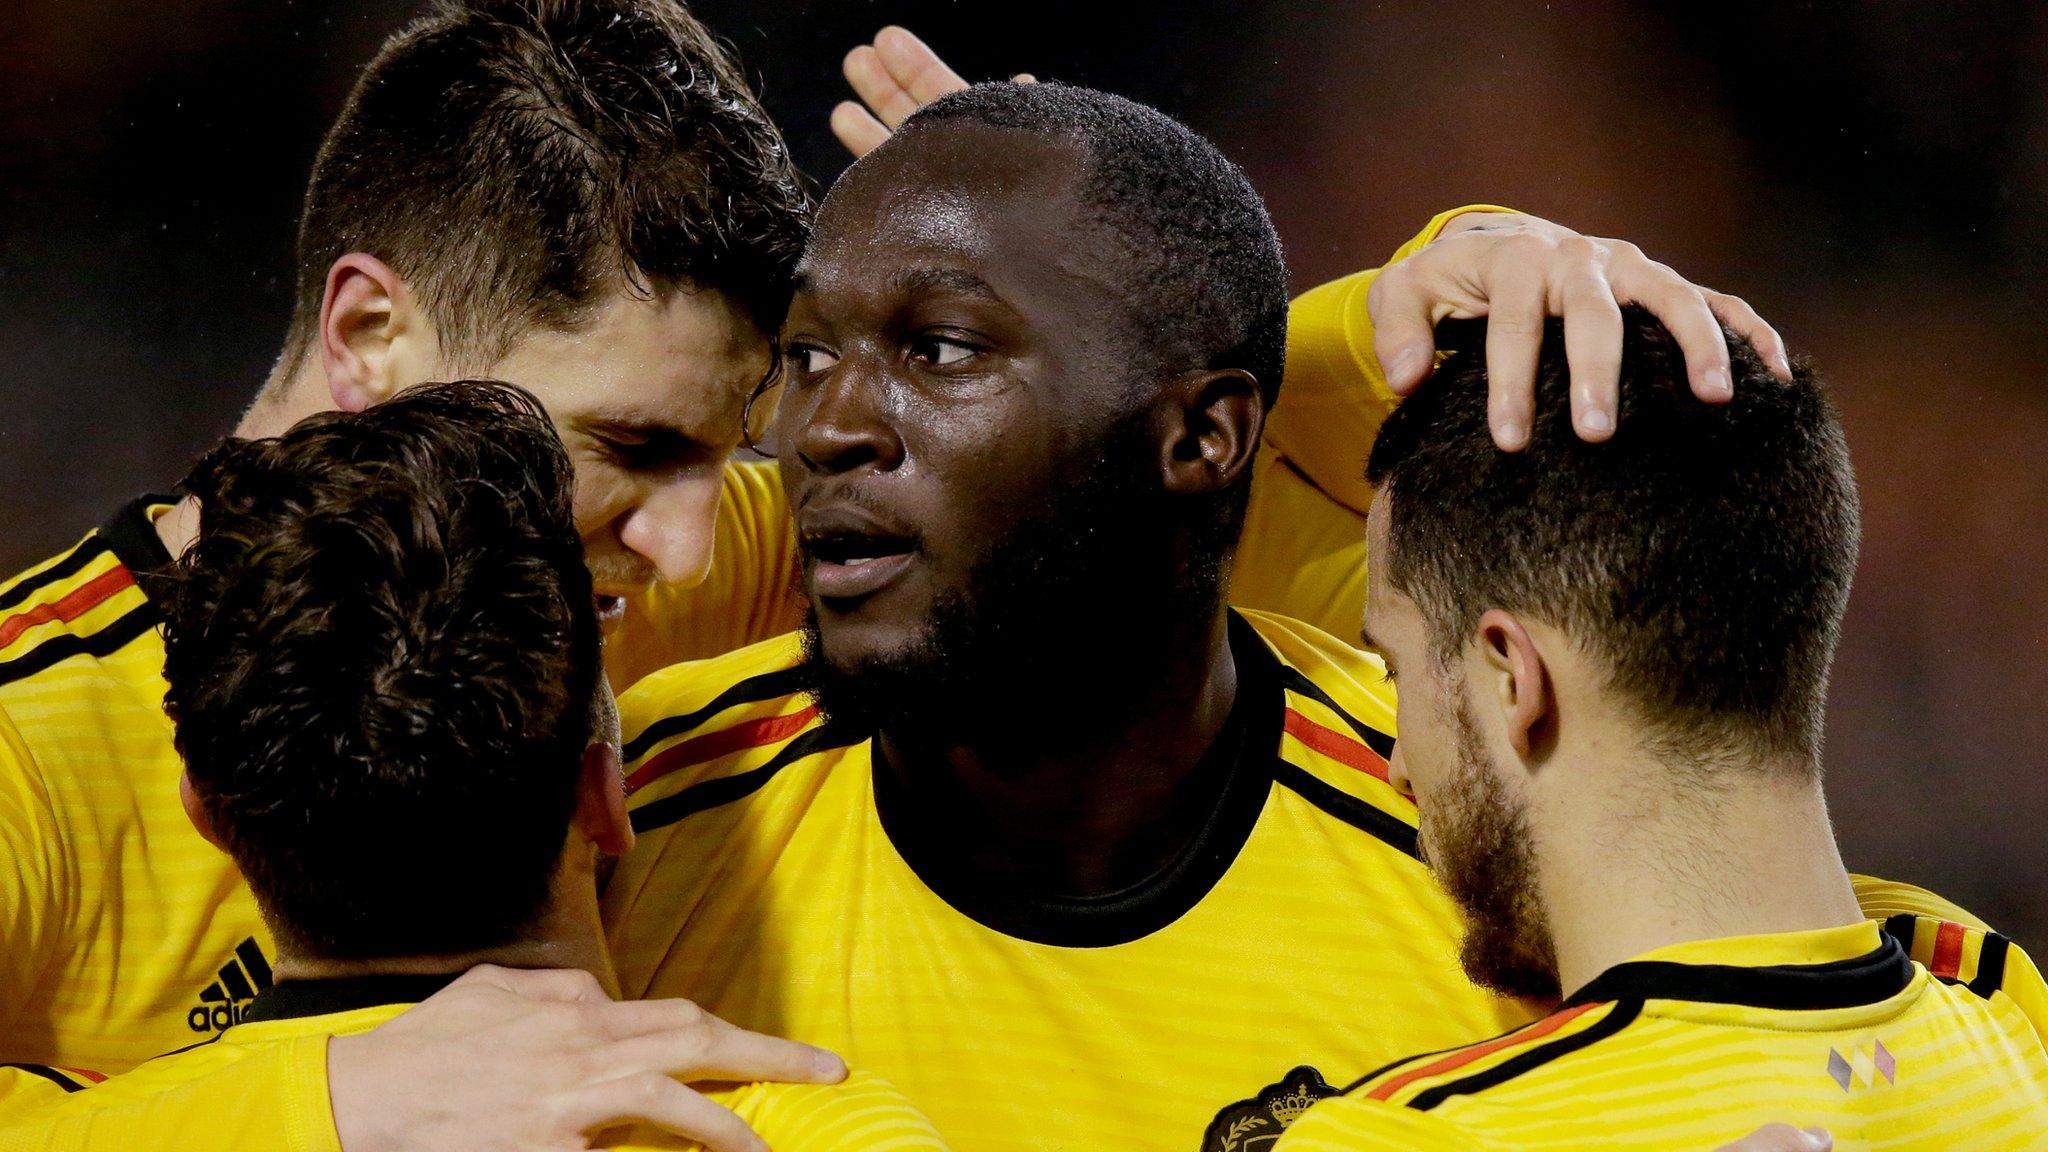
x=104 y=642
x=47 y=1073
x=1624 y=1014
x=88 y=550
x=1391 y=1065
x=1296 y=681
x=1990 y=966
x=726 y=789
x=752 y=690
x=1348 y=808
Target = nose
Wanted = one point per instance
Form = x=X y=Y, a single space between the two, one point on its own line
x=1397 y=772
x=844 y=425
x=674 y=525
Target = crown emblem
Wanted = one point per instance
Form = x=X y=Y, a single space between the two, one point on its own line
x=1254 y=1125
x=1289 y=1107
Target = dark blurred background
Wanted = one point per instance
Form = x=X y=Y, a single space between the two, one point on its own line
x=1872 y=176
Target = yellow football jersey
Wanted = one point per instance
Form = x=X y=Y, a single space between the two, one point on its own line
x=126 y=935
x=268 y=1063
x=1698 y=1044
x=769 y=886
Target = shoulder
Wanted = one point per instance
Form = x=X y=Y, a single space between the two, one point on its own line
x=1884 y=899
x=1972 y=957
x=82 y=602
x=1533 y=1054
x=710 y=731
x=1337 y=729
x=863 y=1113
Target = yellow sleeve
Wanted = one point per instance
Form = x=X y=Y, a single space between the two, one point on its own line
x=32 y=885
x=1334 y=395
x=1356 y=1124
x=749 y=595
x=863 y=1114
x=274 y=1097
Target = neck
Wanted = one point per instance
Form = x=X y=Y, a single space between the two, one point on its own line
x=1668 y=861
x=568 y=934
x=1096 y=791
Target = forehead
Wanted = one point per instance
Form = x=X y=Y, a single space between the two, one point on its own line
x=681 y=357
x=1000 y=202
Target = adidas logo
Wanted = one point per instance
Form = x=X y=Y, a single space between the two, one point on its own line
x=222 y=1002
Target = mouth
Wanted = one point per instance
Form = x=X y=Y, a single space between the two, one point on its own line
x=610 y=610
x=848 y=562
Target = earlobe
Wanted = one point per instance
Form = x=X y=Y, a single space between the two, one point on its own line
x=601 y=801
x=364 y=316
x=1527 y=697
x=196 y=812
x=1216 y=421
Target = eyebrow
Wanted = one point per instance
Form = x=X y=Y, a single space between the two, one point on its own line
x=937 y=280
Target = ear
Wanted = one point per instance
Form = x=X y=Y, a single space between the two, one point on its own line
x=601 y=801
x=369 y=329
x=1518 y=682
x=196 y=812
x=1212 y=423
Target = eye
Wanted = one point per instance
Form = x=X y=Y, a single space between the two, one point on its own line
x=941 y=351
x=809 y=359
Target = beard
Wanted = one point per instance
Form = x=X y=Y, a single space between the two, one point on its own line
x=1022 y=643
x=1478 y=842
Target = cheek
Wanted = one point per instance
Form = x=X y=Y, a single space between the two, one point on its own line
x=603 y=493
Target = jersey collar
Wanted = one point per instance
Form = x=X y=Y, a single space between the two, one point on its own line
x=1841 y=967
x=295 y=999
x=130 y=534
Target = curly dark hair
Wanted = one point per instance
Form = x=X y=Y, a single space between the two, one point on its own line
x=383 y=653
x=518 y=160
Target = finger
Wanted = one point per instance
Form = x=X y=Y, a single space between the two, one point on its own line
x=1819 y=1140
x=715 y=1050
x=1681 y=307
x=656 y=1099
x=1514 y=339
x=858 y=131
x=1023 y=78
x=888 y=99
x=1592 y=349
x=915 y=66
x=563 y=985
x=1738 y=317
x=1403 y=335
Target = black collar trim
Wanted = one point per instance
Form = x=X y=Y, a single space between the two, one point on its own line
x=1248 y=745
x=1868 y=979
x=131 y=536
x=297 y=999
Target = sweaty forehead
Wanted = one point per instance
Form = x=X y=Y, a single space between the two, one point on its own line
x=1001 y=202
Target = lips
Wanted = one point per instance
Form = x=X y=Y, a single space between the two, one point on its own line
x=610 y=610
x=852 y=553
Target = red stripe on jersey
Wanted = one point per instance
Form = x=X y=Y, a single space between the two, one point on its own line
x=1335 y=745
x=1459 y=1059
x=712 y=745
x=1948 y=950
x=74 y=604
x=85 y=1074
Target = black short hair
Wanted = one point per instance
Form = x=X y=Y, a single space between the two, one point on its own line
x=517 y=161
x=383 y=652
x=1706 y=551
x=1201 y=261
